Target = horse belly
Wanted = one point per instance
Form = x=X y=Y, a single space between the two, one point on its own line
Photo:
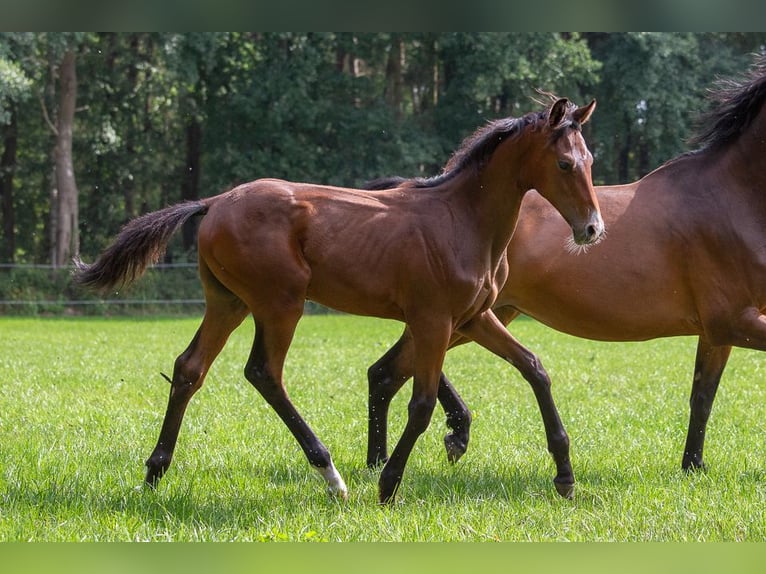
x=356 y=293
x=607 y=309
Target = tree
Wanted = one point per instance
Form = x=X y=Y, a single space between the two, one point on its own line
x=66 y=195
x=653 y=87
x=160 y=117
x=15 y=86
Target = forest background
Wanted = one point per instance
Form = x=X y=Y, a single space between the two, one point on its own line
x=97 y=128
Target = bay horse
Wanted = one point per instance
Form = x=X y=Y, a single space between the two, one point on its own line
x=431 y=259
x=685 y=256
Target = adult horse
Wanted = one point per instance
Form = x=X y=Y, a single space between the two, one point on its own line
x=430 y=258
x=685 y=256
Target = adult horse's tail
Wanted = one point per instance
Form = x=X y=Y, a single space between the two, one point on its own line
x=140 y=243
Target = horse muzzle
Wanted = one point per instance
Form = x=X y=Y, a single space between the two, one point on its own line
x=589 y=233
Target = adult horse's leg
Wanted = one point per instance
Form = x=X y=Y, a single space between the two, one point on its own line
x=389 y=373
x=458 y=419
x=223 y=313
x=385 y=377
x=430 y=339
x=264 y=371
x=458 y=414
x=487 y=330
x=709 y=365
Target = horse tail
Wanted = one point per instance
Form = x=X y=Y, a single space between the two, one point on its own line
x=140 y=243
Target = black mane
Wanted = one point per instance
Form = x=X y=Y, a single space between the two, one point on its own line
x=735 y=104
x=476 y=149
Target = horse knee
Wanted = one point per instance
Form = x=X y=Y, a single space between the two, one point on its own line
x=377 y=376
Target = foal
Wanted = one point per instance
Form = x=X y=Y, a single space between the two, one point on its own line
x=431 y=259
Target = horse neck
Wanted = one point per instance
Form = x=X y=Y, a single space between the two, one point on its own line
x=494 y=194
x=743 y=158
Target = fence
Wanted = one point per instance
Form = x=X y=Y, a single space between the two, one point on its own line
x=44 y=289
x=168 y=288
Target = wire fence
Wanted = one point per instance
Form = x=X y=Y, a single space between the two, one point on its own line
x=35 y=289
x=167 y=288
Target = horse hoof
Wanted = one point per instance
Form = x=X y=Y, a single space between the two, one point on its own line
x=374 y=464
x=388 y=486
x=386 y=500
x=152 y=479
x=337 y=493
x=565 y=489
x=455 y=448
x=694 y=466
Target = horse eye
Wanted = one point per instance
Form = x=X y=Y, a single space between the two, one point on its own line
x=565 y=165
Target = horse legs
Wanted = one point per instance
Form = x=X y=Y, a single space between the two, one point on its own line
x=430 y=341
x=458 y=419
x=222 y=316
x=264 y=371
x=389 y=373
x=710 y=363
x=487 y=330
x=458 y=414
x=385 y=377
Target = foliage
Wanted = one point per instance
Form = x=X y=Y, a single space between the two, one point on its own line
x=652 y=88
x=82 y=402
x=166 y=116
x=49 y=291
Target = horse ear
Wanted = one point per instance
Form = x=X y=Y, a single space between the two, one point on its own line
x=582 y=114
x=558 y=111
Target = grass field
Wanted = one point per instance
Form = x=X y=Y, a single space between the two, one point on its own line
x=81 y=402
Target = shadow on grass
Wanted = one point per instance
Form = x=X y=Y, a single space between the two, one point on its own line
x=250 y=500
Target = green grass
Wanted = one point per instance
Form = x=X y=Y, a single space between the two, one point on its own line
x=82 y=400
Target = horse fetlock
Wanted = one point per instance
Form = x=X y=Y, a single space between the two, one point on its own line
x=558 y=444
x=459 y=420
x=336 y=487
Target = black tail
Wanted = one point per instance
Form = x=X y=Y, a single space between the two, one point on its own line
x=140 y=243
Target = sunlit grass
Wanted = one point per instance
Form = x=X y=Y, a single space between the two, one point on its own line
x=82 y=400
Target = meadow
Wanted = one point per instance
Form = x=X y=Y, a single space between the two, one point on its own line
x=82 y=400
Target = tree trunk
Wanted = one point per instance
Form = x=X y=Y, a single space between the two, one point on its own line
x=67 y=237
x=128 y=184
x=190 y=181
x=623 y=157
x=7 y=169
x=394 y=79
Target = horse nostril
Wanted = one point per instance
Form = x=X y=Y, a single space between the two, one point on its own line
x=594 y=230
